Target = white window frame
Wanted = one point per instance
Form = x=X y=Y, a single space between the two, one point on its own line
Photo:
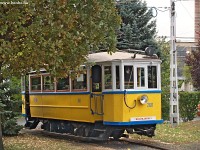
x=145 y=73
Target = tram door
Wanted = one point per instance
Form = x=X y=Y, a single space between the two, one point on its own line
x=96 y=101
x=96 y=79
x=25 y=84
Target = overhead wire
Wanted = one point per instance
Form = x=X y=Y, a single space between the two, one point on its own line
x=160 y=9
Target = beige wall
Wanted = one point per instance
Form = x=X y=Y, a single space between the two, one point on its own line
x=187 y=47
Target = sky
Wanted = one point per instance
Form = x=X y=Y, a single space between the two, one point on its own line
x=184 y=18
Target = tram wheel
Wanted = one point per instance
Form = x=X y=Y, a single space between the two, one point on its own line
x=117 y=134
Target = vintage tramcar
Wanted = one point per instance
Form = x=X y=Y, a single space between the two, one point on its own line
x=112 y=94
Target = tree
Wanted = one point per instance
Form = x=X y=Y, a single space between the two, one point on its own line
x=138 y=28
x=165 y=77
x=10 y=98
x=192 y=60
x=54 y=34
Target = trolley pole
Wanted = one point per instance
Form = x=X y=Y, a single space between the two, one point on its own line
x=174 y=103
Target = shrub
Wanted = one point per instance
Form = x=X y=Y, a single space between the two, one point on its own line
x=188 y=102
x=10 y=106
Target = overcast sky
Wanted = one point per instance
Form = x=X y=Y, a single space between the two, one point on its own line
x=184 y=17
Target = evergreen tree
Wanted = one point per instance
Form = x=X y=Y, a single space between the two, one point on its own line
x=138 y=29
x=10 y=99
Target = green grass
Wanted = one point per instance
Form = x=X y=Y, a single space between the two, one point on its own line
x=188 y=132
x=185 y=133
x=36 y=142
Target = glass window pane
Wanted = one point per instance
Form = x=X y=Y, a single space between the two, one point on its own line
x=96 y=78
x=63 y=84
x=80 y=82
x=108 y=77
x=35 y=83
x=128 y=77
x=152 y=77
x=140 y=77
x=48 y=83
x=117 y=78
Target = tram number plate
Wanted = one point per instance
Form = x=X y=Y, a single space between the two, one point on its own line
x=149 y=104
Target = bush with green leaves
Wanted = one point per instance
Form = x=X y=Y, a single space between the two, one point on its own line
x=10 y=106
x=188 y=102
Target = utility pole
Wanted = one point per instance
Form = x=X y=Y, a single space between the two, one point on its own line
x=174 y=103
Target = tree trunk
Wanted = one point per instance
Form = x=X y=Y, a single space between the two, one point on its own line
x=1 y=139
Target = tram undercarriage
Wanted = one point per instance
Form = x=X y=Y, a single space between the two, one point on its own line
x=91 y=131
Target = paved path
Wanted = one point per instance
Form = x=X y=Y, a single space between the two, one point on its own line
x=21 y=121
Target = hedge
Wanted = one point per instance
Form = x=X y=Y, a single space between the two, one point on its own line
x=188 y=102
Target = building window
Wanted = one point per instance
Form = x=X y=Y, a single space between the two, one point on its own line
x=63 y=84
x=117 y=78
x=36 y=83
x=140 y=77
x=128 y=77
x=152 y=77
x=48 y=83
x=108 y=77
x=80 y=82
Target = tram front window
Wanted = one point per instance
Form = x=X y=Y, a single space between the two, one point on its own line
x=140 y=77
x=117 y=78
x=128 y=77
x=152 y=77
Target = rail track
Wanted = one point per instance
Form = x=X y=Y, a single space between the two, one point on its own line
x=153 y=145
x=147 y=143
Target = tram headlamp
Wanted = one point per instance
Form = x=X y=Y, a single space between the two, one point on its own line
x=143 y=99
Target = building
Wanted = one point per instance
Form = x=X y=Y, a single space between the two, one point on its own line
x=197 y=20
x=184 y=48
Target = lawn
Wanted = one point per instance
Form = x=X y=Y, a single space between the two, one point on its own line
x=188 y=132
x=185 y=133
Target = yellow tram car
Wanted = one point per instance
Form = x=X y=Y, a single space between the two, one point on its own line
x=113 y=94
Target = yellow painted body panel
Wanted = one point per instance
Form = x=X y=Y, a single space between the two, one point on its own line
x=64 y=107
x=115 y=109
x=36 y=106
x=77 y=107
x=23 y=105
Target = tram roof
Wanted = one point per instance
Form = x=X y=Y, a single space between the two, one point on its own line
x=106 y=57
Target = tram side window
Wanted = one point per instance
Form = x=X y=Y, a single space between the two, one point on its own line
x=108 y=77
x=117 y=78
x=140 y=77
x=63 y=84
x=80 y=82
x=152 y=77
x=48 y=83
x=36 y=83
x=128 y=77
